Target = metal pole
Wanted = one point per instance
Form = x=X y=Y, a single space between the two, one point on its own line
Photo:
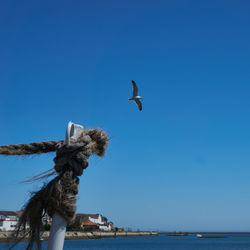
x=58 y=227
x=57 y=233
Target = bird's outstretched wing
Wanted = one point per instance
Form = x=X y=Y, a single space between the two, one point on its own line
x=138 y=102
x=135 y=88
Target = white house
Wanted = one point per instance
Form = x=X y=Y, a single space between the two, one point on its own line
x=107 y=227
x=96 y=218
x=8 y=220
x=99 y=220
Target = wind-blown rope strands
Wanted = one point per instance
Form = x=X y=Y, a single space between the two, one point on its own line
x=59 y=195
x=41 y=176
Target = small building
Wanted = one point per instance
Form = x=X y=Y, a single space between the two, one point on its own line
x=46 y=220
x=8 y=220
x=88 y=225
x=107 y=227
x=94 y=222
x=119 y=229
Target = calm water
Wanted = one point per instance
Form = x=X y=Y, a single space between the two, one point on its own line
x=236 y=242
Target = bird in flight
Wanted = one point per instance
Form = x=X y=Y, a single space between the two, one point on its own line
x=135 y=96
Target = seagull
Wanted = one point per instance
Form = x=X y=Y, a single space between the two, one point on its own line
x=135 y=96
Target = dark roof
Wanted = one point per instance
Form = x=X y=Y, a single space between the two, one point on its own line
x=8 y=213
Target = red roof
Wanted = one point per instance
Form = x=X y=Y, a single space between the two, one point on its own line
x=19 y=213
x=87 y=222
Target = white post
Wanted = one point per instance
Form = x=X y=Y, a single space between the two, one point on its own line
x=58 y=227
x=57 y=233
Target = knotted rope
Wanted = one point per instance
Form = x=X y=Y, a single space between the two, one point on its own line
x=59 y=195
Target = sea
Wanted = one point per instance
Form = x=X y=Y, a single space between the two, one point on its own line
x=162 y=241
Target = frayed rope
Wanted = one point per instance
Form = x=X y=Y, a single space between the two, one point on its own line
x=59 y=195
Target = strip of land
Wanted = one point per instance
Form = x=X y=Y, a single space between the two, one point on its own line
x=6 y=236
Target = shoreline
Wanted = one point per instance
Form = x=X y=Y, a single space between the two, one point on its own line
x=5 y=236
x=201 y=232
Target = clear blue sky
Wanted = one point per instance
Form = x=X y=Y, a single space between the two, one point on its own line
x=183 y=163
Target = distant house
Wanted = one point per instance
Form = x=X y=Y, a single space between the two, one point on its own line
x=119 y=229
x=94 y=222
x=8 y=220
x=88 y=225
x=46 y=220
x=108 y=227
